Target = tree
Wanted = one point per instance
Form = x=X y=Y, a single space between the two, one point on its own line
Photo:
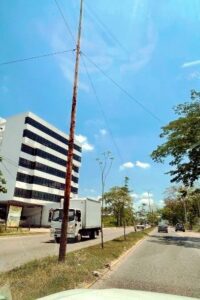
x=178 y=209
x=182 y=142
x=2 y=181
x=119 y=203
x=152 y=217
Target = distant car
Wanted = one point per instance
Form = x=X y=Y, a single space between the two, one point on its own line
x=140 y=226
x=179 y=227
x=163 y=228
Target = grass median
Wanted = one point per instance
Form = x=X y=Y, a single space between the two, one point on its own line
x=46 y=276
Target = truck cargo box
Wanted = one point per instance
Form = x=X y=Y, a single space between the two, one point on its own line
x=91 y=211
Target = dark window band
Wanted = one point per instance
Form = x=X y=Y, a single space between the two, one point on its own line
x=42 y=181
x=28 y=194
x=33 y=136
x=38 y=152
x=43 y=168
x=50 y=132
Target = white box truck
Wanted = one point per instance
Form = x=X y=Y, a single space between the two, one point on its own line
x=84 y=219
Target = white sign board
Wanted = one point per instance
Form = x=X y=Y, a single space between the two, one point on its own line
x=14 y=215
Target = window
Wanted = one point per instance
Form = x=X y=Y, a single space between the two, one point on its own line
x=38 y=152
x=40 y=167
x=22 y=193
x=43 y=168
x=50 y=132
x=42 y=181
x=74 y=190
x=49 y=144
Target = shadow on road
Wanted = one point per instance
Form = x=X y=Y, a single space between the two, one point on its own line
x=84 y=239
x=188 y=242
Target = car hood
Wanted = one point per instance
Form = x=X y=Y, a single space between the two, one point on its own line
x=111 y=294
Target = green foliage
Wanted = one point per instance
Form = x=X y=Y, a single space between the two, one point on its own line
x=109 y=221
x=180 y=205
x=153 y=217
x=119 y=204
x=2 y=181
x=182 y=142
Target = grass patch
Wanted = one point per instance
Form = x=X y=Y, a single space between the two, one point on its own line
x=196 y=228
x=46 y=276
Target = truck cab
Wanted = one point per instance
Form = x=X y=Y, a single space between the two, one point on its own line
x=74 y=224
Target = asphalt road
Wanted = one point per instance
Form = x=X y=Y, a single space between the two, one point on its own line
x=15 y=251
x=167 y=263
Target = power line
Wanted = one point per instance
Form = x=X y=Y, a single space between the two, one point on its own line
x=10 y=161
x=102 y=111
x=65 y=21
x=34 y=57
x=123 y=89
x=107 y=30
x=11 y=175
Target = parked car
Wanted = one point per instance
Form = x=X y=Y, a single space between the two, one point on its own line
x=179 y=227
x=163 y=228
x=140 y=226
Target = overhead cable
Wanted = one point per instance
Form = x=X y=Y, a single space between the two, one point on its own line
x=34 y=57
x=123 y=89
x=102 y=111
x=65 y=21
x=107 y=30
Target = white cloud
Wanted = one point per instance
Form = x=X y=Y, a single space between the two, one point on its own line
x=161 y=203
x=135 y=196
x=194 y=75
x=127 y=165
x=146 y=195
x=103 y=131
x=142 y=165
x=147 y=201
x=190 y=63
x=83 y=140
x=130 y=165
x=143 y=55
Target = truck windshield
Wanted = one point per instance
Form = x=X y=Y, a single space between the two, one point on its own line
x=58 y=214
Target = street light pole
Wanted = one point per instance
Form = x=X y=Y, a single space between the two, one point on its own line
x=105 y=165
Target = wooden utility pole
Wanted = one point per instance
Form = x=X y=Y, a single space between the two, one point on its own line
x=63 y=239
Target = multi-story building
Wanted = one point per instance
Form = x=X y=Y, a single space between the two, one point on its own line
x=34 y=157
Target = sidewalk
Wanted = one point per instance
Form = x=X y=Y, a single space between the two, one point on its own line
x=39 y=230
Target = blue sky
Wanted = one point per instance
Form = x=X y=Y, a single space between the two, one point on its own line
x=158 y=65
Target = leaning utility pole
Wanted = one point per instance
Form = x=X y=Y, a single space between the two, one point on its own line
x=63 y=239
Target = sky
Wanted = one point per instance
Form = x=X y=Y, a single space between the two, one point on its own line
x=149 y=48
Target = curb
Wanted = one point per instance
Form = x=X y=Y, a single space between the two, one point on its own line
x=114 y=262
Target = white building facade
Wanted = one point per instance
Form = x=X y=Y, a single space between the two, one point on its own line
x=34 y=158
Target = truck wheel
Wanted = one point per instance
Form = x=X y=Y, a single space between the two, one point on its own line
x=57 y=239
x=78 y=238
x=92 y=235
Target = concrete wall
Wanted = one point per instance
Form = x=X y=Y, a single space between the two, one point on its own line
x=33 y=215
x=10 y=150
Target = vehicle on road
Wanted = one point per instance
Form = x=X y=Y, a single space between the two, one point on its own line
x=179 y=227
x=84 y=219
x=162 y=227
x=111 y=294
